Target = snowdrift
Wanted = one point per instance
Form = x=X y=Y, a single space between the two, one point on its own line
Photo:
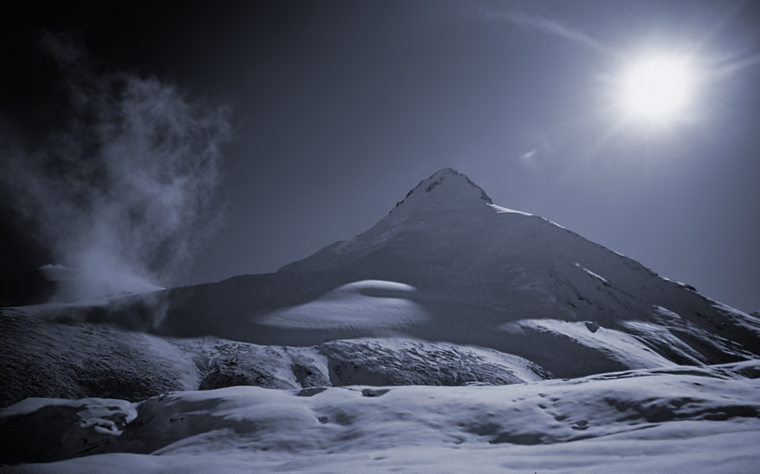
x=690 y=420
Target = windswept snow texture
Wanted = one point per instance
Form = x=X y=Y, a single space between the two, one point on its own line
x=702 y=420
x=448 y=265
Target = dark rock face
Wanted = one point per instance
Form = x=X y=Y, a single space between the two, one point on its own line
x=308 y=375
x=22 y=441
x=40 y=357
x=369 y=362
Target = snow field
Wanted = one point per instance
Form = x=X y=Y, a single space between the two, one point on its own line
x=640 y=421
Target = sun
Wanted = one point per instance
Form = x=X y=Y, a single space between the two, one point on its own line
x=657 y=89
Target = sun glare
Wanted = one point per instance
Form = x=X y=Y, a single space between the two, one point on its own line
x=657 y=89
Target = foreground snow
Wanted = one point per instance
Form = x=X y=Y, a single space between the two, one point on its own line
x=668 y=420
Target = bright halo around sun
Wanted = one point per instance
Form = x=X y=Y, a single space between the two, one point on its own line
x=657 y=89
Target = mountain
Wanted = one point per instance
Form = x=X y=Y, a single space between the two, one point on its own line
x=328 y=363
x=446 y=264
x=446 y=268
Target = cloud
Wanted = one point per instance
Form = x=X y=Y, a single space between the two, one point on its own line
x=553 y=27
x=549 y=26
x=722 y=22
x=529 y=155
x=733 y=61
x=537 y=148
x=130 y=188
x=737 y=64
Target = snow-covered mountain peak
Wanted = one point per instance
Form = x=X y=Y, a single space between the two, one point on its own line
x=445 y=188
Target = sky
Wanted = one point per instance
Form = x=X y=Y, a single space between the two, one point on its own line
x=323 y=115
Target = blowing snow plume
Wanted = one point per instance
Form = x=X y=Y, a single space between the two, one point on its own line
x=126 y=191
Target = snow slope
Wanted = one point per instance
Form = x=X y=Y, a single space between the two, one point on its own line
x=699 y=420
x=448 y=265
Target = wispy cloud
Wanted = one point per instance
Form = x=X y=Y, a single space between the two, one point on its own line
x=130 y=187
x=549 y=26
x=722 y=22
x=737 y=64
x=735 y=60
x=540 y=149
x=529 y=155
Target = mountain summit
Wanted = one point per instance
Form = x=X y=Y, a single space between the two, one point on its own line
x=437 y=205
x=445 y=188
x=448 y=265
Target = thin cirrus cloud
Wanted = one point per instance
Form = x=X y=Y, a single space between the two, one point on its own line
x=529 y=155
x=709 y=69
x=544 y=145
x=736 y=64
x=735 y=61
x=549 y=26
x=739 y=61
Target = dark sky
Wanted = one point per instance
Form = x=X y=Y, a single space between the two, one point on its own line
x=341 y=107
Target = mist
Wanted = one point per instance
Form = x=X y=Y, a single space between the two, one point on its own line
x=128 y=190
